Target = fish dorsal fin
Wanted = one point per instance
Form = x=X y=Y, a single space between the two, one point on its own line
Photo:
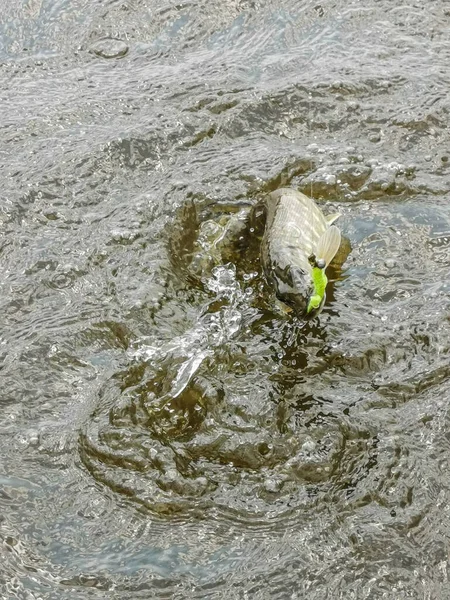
x=330 y=219
x=328 y=244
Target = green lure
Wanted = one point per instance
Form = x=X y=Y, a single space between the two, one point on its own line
x=320 y=281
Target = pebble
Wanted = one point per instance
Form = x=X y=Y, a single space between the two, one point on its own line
x=109 y=48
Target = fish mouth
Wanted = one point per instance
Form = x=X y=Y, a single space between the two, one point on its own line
x=294 y=287
x=291 y=287
x=299 y=304
x=296 y=290
x=297 y=300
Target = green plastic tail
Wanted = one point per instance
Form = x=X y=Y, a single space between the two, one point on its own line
x=320 y=281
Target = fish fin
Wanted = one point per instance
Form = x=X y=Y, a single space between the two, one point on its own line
x=328 y=244
x=330 y=219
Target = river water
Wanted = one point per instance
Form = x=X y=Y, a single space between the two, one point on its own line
x=165 y=431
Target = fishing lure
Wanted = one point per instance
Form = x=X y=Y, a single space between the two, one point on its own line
x=320 y=281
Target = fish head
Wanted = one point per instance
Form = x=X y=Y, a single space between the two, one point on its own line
x=294 y=286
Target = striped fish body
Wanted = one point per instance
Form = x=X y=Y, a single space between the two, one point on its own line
x=295 y=228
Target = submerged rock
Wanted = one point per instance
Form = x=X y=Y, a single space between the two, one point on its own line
x=109 y=48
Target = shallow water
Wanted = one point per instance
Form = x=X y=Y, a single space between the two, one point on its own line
x=167 y=432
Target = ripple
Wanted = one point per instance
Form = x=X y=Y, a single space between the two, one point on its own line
x=169 y=432
x=201 y=451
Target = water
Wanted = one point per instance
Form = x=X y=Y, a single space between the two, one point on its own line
x=165 y=431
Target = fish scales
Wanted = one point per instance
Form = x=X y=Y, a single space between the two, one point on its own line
x=295 y=228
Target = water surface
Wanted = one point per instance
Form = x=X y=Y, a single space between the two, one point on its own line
x=166 y=432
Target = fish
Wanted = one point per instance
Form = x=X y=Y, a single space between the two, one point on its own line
x=298 y=243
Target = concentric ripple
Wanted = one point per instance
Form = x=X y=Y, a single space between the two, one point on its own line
x=181 y=431
x=188 y=428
